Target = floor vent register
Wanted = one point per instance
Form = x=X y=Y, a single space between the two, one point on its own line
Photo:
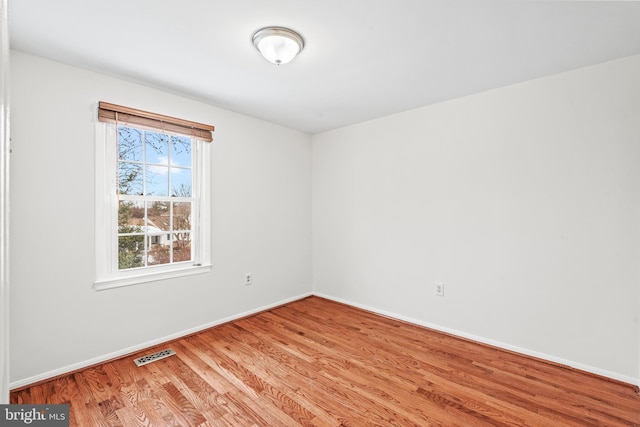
x=144 y=360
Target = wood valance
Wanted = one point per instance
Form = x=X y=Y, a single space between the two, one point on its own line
x=112 y=113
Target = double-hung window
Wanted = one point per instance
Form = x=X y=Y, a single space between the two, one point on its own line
x=152 y=197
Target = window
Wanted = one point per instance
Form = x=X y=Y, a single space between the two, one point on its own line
x=152 y=198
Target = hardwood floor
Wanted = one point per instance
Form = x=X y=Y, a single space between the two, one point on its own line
x=319 y=363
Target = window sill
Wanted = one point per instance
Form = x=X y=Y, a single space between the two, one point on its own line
x=117 y=282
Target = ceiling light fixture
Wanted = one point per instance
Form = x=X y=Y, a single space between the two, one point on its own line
x=277 y=44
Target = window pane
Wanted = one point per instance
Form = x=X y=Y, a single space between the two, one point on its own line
x=159 y=217
x=154 y=229
x=129 y=144
x=180 y=151
x=130 y=217
x=181 y=247
x=130 y=251
x=159 y=249
x=180 y=182
x=157 y=148
x=157 y=181
x=129 y=178
x=182 y=216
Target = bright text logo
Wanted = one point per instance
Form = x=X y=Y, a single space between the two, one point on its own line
x=34 y=415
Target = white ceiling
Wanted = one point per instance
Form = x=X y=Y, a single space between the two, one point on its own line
x=363 y=58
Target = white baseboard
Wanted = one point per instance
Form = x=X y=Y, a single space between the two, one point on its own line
x=104 y=358
x=524 y=351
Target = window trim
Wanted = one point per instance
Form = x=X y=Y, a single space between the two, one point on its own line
x=106 y=202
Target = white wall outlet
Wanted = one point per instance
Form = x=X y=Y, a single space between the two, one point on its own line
x=247 y=279
x=440 y=289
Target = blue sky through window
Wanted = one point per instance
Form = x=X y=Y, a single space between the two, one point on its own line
x=157 y=162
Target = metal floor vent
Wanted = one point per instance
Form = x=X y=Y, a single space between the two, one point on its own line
x=153 y=357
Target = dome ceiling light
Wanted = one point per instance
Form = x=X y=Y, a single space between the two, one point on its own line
x=277 y=44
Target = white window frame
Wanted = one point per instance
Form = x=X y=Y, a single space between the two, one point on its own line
x=106 y=222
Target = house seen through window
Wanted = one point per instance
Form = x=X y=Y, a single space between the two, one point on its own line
x=155 y=198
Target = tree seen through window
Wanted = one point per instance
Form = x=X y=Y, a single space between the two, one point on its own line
x=155 y=198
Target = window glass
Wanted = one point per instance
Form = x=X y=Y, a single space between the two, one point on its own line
x=154 y=224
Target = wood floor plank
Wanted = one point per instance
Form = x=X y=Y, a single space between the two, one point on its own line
x=308 y=384
x=315 y=362
x=394 y=392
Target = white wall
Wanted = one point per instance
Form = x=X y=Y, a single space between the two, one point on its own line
x=261 y=213
x=524 y=201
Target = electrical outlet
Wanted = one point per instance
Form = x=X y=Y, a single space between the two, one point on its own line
x=247 y=279
x=440 y=289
